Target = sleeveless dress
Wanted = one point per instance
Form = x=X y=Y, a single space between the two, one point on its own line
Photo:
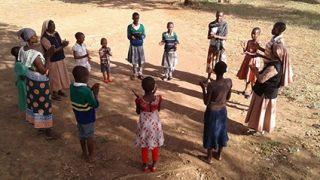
x=244 y=72
x=149 y=131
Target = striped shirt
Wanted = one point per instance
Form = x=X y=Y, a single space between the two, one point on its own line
x=170 y=40
x=83 y=103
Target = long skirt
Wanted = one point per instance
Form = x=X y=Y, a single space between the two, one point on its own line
x=136 y=55
x=261 y=115
x=215 y=129
x=58 y=74
x=39 y=110
x=169 y=60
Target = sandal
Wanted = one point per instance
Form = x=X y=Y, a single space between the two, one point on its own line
x=54 y=137
x=57 y=98
x=154 y=169
x=140 y=77
x=204 y=159
x=145 y=169
x=62 y=94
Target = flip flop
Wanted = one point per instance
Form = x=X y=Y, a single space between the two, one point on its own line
x=63 y=94
x=145 y=169
x=54 y=137
x=153 y=169
x=140 y=77
x=132 y=77
x=57 y=98
x=204 y=159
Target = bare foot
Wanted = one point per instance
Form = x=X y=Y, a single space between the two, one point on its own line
x=217 y=156
x=205 y=159
x=94 y=158
x=85 y=156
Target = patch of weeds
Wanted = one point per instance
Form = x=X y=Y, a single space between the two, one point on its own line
x=103 y=139
x=269 y=147
x=293 y=150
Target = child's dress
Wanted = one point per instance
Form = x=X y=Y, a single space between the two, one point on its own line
x=21 y=70
x=149 y=132
x=245 y=72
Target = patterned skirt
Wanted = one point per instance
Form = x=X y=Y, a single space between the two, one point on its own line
x=169 y=60
x=215 y=129
x=39 y=110
x=136 y=55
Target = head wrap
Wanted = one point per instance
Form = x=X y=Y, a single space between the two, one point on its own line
x=26 y=33
x=45 y=25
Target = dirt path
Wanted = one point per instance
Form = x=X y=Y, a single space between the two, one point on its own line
x=291 y=152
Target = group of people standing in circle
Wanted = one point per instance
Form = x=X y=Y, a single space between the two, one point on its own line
x=276 y=72
x=46 y=76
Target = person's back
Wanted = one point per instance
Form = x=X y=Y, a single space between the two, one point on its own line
x=219 y=93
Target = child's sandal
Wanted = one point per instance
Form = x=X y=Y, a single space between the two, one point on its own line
x=145 y=169
x=154 y=169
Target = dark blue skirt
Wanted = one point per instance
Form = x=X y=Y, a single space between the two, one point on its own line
x=215 y=129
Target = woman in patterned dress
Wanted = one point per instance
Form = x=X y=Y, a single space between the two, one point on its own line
x=39 y=110
x=149 y=132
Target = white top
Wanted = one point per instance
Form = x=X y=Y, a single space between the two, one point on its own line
x=213 y=40
x=81 y=50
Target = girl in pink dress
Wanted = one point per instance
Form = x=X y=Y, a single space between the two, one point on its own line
x=149 y=132
x=244 y=72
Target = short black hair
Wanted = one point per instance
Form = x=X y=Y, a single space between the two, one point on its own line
x=135 y=14
x=15 y=51
x=169 y=23
x=102 y=39
x=78 y=72
x=256 y=28
x=220 y=68
x=78 y=35
x=281 y=26
x=148 y=84
x=218 y=12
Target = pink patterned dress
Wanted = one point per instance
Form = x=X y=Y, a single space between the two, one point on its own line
x=149 y=132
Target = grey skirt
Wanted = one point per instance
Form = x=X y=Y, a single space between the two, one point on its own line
x=169 y=60
x=136 y=55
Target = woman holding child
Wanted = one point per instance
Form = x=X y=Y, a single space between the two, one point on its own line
x=39 y=110
x=59 y=78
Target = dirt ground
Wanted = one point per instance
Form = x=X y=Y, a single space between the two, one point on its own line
x=291 y=152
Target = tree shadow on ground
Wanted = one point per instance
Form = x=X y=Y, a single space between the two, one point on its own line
x=143 y=5
x=307 y=1
x=245 y=11
x=290 y=16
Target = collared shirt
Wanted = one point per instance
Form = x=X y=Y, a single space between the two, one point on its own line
x=136 y=27
x=77 y=84
x=104 y=56
x=81 y=50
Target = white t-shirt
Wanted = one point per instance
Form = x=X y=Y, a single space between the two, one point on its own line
x=81 y=50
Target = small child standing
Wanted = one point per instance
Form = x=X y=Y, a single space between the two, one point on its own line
x=149 y=133
x=80 y=52
x=21 y=72
x=169 y=58
x=105 y=53
x=244 y=72
x=84 y=105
